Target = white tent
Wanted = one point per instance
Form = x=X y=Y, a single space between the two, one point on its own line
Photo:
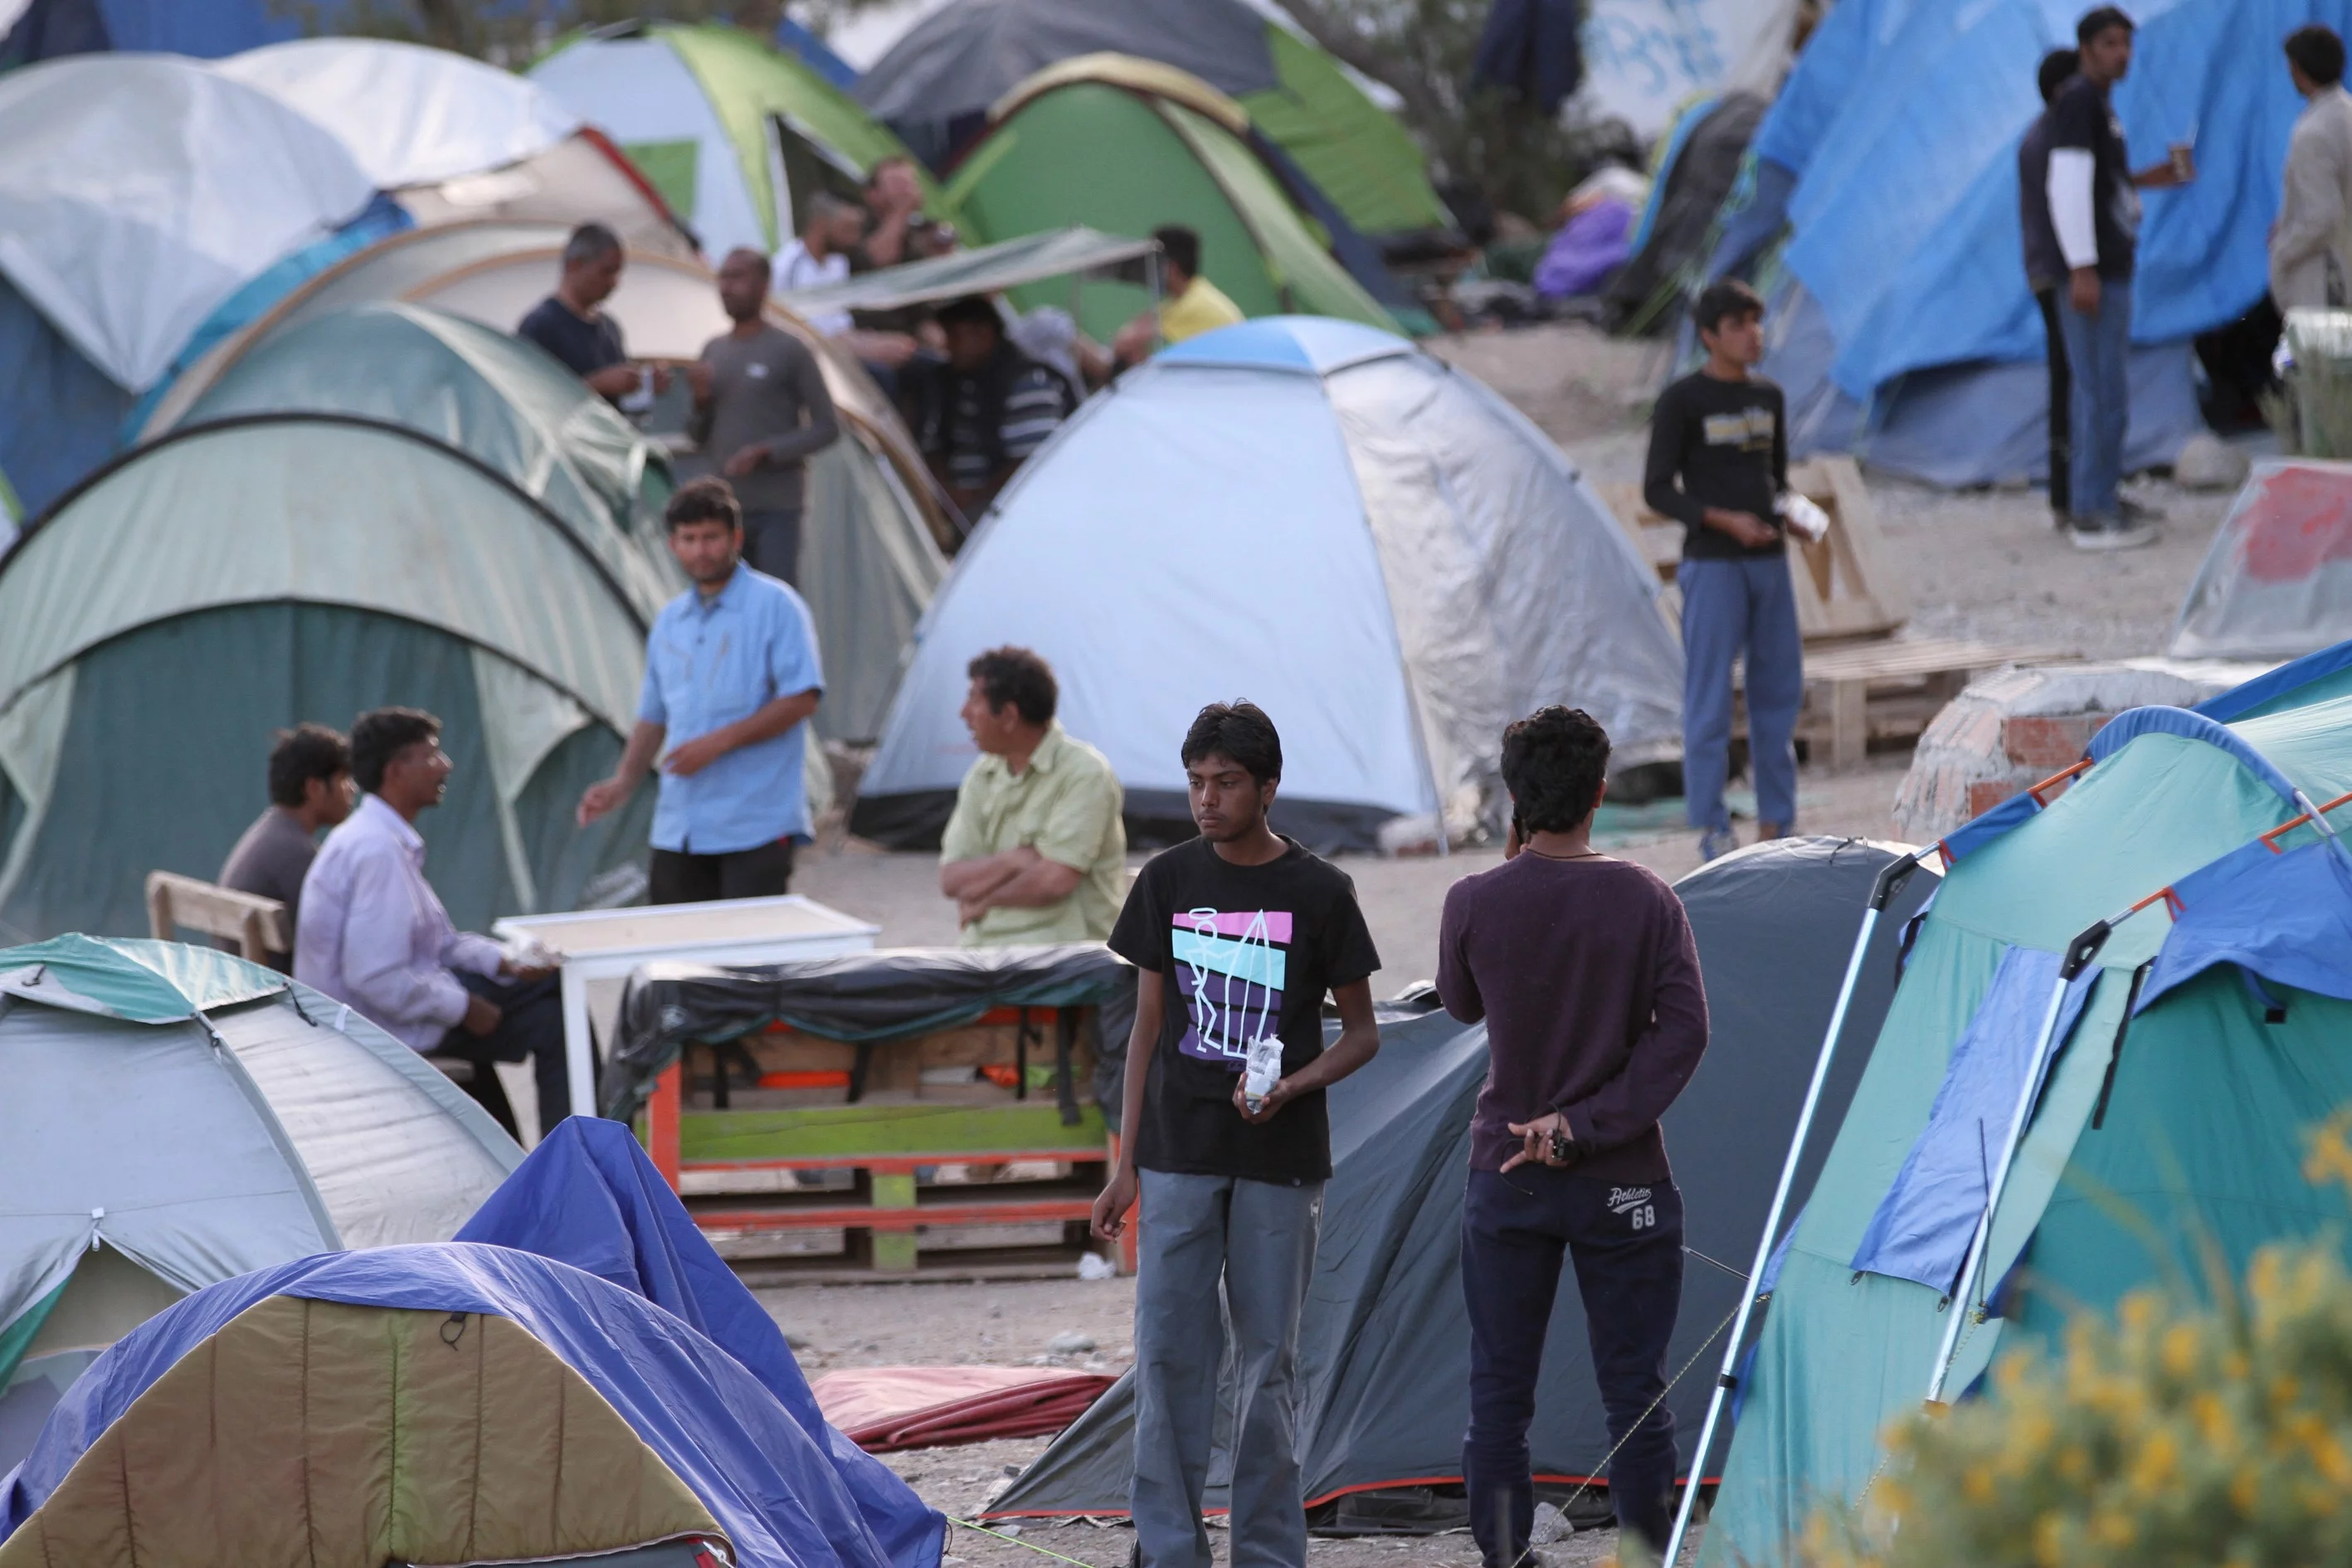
x=140 y=191
x=1318 y=517
x=454 y=139
x=172 y=1117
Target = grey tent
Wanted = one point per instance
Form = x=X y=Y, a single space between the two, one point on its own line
x=234 y=578
x=1384 y=1345
x=175 y=1116
x=1675 y=229
x=2274 y=583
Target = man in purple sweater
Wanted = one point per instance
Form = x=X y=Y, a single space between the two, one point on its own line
x=1584 y=968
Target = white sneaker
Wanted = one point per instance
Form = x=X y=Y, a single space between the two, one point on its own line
x=2110 y=531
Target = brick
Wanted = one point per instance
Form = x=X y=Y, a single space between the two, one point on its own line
x=2048 y=743
x=1984 y=795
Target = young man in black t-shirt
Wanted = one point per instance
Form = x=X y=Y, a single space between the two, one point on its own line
x=1238 y=935
x=1719 y=465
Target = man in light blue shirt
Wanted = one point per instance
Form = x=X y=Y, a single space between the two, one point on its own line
x=731 y=672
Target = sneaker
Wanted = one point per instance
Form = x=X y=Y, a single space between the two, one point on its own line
x=1715 y=843
x=2110 y=533
x=2139 y=512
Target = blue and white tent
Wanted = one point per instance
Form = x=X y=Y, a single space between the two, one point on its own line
x=1317 y=516
x=1902 y=328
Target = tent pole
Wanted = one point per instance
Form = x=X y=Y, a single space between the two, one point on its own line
x=2079 y=954
x=1890 y=881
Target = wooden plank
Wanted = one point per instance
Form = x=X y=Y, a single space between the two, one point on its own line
x=844 y=1134
x=258 y=925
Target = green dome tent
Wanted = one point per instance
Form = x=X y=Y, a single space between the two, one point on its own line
x=1125 y=146
x=231 y=579
x=736 y=135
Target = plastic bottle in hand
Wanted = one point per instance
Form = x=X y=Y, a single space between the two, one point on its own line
x=1263 y=1070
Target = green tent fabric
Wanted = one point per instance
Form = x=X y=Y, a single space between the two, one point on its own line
x=303 y=568
x=2200 y=1140
x=143 y=981
x=493 y=397
x=1359 y=155
x=735 y=135
x=1125 y=162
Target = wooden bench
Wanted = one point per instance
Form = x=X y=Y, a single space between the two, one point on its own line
x=1884 y=690
x=258 y=925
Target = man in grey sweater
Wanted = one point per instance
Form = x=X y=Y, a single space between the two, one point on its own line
x=761 y=408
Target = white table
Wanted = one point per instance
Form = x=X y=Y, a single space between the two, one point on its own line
x=608 y=944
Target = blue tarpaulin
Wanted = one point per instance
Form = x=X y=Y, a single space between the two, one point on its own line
x=589 y=1196
x=2285 y=918
x=765 y=1481
x=1923 y=1227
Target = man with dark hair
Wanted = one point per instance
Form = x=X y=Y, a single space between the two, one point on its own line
x=2311 y=243
x=1583 y=969
x=2045 y=274
x=2094 y=199
x=894 y=206
x=374 y=934
x=1189 y=305
x=731 y=674
x=981 y=414
x=760 y=410
x=1236 y=937
x=568 y=325
x=1718 y=464
x=1034 y=851
x=310 y=788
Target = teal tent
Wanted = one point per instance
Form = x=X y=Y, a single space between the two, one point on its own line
x=231 y=579
x=2142 y=1146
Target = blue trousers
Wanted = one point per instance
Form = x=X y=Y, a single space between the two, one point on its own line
x=1730 y=609
x=2099 y=355
x=1627 y=1245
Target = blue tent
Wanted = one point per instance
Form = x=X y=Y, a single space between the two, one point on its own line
x=1891 y=153
x=761 y=1478
x=588 y=1197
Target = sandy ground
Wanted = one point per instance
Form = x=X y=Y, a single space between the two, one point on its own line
x=1983 y=564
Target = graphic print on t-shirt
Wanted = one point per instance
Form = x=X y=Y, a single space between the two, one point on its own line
x=1229 y=969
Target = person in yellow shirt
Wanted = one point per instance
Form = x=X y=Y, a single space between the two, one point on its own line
x=1034 y=851
x=1189 y=305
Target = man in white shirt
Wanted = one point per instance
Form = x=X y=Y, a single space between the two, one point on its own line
x=2313 y=237
x=820 y=257
x=374 y=935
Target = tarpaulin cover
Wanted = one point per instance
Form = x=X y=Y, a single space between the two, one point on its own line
x=988 y=269
x=1923 y=1227
x=1587 y=249
x=1384 y=1345
x=857 y=998
x=589 y=1196
x=1691 y=184
x=771 y=1488
x=2285 y=917
x=885 y=1408
x=2276 y=582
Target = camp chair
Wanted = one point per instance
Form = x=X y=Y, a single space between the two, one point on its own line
x=258 y=925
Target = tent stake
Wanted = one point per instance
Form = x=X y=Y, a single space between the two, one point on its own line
x=1890 y=881
x=2079 y=954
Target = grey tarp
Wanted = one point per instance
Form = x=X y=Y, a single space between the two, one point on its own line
x=1384 y=1343
x=2276 y=583
x=263 y=1123
x=861 y=998
x=1682 y=214
x=990 y=269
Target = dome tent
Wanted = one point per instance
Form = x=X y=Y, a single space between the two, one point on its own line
x=1371 y=545
x=142 y=194
x=293 y=567
x=736 y=135
x=938 y=80
x=267 y=1123
x=1125 y=145
x=451 y=139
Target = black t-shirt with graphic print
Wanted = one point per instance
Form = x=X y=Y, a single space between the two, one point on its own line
x=1728 y=443
x=1240 y=950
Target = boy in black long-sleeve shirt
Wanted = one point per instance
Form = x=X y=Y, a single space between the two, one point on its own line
x=1723 y=434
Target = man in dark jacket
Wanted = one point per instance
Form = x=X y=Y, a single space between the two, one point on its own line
x=2045 y=274
x=981 y=414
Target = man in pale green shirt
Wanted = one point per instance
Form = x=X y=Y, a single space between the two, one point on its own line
x=1035 y=852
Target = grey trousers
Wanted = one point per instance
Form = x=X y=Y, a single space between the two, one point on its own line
x=771 y=543
x=1258 y=1240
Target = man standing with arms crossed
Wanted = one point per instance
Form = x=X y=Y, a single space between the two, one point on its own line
x=2094 y=212
x=731 y=672
x=1236 y=937
x=1719 y=465
x=1584 y=972
x=761 y=409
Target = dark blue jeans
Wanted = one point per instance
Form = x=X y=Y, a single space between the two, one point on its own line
x=1627 y=1245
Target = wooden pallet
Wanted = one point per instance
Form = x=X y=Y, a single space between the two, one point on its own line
x=1884 y=691
x=1844 y=584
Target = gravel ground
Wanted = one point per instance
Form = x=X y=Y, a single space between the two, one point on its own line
x=1982 y=564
